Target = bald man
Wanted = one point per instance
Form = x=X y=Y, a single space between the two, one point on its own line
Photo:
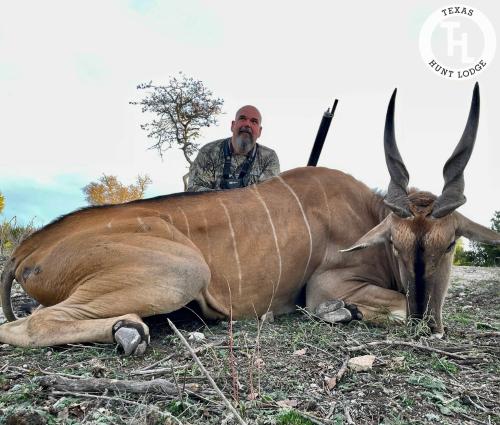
x=236 y=161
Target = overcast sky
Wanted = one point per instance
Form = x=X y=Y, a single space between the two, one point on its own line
x=69 y=69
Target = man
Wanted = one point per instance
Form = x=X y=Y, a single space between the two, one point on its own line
x=236 y=161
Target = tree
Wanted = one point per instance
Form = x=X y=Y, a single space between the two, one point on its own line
x=12 y=234
x=462 y=256
x=181 y=109
x=2 y=202
x=109 y=190
x=487 y=255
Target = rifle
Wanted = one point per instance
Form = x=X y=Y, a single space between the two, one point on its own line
x=321 y=136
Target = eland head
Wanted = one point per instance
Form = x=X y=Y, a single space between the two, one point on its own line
x=422 y=228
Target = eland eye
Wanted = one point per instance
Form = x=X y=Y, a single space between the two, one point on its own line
x=451 y=246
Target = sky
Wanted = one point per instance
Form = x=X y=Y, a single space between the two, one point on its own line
x=68 y=71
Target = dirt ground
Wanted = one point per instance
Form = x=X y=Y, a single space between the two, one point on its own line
x=289 y=371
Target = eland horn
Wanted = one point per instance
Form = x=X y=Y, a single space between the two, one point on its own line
x=452 y=195
x=397 y=194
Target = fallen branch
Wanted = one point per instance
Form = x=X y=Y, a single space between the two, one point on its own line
x=121 y=400
x=212 y=382
x=99 y=385
x=407 y=344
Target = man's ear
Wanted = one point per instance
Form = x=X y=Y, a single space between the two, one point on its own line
x=260 y=131
x=232 y=126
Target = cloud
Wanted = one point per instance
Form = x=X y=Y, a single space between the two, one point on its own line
x=69 y=69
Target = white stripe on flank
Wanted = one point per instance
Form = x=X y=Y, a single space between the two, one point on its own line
x=305 y=221
x=235 y=248
x=170 y=218
x=144 y=227
x=259 y=197
x=318 y=181
x=209 y=248
x=187 y=222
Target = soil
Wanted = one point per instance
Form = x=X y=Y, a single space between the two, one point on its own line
x=278 y=372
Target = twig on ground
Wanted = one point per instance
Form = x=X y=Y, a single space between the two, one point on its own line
x=212 y=382
x=341 y=372
x=407 y=344
x=487 y=334
x=176 y=383
x=319 y=349
x=159 y=371
x=214 y=344
x=470 y=418
x=348 y=416
x=232 y=357
x=479 y=407
x=22 y=369
x=156 y=386
x=152 y=365
x=66 y=375
x=94 y=347
x=312 y=418
x=120 y=400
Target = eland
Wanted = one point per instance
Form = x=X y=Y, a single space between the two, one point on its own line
x=354 y=253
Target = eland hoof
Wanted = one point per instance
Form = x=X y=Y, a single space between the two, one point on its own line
x=130 y=337
x=334 y=311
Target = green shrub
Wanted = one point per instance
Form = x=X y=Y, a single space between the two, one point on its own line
x=12 y=234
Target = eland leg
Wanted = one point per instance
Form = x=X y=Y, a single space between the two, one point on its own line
x=341 y=301
x=107 y=307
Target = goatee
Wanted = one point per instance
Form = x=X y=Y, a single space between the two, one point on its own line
x=244 y=143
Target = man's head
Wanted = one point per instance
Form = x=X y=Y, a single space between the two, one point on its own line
x=246 y=129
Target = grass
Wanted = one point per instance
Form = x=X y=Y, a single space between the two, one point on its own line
x=443 y=364
x=292 y=418
x=404 y=386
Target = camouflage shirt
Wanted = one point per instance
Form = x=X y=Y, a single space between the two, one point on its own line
x=207 y=169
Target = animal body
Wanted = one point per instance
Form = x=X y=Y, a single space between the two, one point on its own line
x=98 y=271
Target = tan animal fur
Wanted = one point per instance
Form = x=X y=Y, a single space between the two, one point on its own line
x=100 y=270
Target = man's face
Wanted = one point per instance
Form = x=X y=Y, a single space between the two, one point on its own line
x=246 y=129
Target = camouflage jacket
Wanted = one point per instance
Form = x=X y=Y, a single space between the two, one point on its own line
x=206 y=171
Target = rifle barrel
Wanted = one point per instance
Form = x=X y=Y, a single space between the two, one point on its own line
x=321 y=135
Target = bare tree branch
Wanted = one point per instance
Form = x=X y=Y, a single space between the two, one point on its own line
x=181 y=108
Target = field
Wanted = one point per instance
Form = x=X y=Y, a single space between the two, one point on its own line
x=292 y=370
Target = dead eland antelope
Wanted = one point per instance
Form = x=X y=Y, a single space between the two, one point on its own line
x=99 y=270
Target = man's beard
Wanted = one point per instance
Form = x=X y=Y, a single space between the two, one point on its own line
x=244 y=142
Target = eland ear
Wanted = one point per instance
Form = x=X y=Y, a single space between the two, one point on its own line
x=379 y=234
x=475 y=231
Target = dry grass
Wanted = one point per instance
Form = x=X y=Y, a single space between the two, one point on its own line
x=283 y=370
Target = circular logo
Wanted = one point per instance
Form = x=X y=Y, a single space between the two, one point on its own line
x=457 y=42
